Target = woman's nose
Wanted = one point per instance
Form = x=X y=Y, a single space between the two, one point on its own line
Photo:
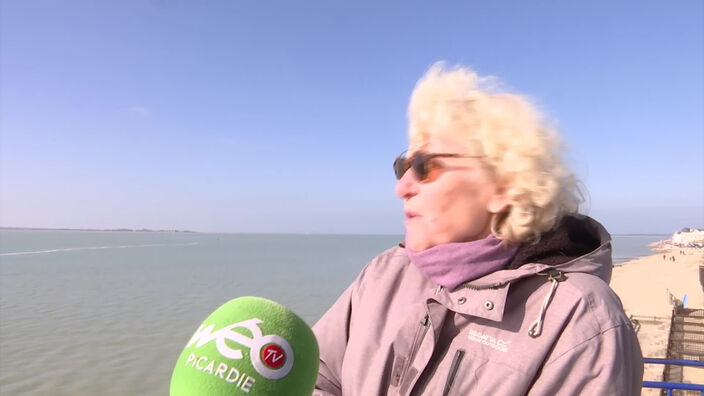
x=406 y=186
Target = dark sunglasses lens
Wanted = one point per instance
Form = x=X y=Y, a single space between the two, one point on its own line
x=400 y=166
x=419 y=163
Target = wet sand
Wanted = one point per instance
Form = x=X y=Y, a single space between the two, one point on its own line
x=646 y=287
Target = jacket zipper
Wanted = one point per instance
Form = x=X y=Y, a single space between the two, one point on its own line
x=548 y=271
x=453 y=371
x=420 y=334
x=417 y=340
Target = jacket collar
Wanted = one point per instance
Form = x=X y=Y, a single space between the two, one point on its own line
x=486 y=297
x=597 y=261
x=486 y=303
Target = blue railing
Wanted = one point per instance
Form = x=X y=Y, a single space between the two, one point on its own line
x=670 y=386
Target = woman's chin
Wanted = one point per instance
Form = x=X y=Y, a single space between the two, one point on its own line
x=417 y=244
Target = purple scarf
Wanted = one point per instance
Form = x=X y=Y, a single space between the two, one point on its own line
x=452 y=264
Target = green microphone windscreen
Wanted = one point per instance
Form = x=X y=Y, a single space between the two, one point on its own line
x=248 y=346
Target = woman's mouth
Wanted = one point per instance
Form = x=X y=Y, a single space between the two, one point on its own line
x=411 y=215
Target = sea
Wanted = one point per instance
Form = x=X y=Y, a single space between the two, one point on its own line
x=108 y=313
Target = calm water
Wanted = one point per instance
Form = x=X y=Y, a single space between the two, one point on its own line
x=627 y=247
x=85 y=313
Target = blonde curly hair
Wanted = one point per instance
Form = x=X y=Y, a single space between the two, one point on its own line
x=521 y=150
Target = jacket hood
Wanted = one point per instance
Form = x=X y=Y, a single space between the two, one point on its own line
x=573 y=237
x=577 y=244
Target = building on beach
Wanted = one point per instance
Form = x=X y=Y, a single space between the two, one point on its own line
x=688 y=237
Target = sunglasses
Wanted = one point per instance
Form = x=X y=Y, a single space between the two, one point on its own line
x=425 y=168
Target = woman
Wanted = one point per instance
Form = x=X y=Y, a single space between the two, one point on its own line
x=500 y=287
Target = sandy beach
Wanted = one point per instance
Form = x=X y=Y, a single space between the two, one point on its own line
x=646 y=287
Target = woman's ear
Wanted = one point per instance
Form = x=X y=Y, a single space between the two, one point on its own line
x=498 y=201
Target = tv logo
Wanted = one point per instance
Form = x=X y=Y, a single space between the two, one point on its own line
x=271 y=355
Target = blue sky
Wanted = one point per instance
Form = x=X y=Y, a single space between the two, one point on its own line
x=286 y=116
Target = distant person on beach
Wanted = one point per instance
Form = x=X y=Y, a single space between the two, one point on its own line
x=500 y=288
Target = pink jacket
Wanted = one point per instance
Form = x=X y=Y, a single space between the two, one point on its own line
x=538 y=329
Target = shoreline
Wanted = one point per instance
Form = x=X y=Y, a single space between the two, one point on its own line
x=140 y=230
x=647 y=287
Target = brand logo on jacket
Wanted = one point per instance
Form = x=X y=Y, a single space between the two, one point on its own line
x=491 y=342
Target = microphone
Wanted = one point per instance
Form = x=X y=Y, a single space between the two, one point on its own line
x=248 y=346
